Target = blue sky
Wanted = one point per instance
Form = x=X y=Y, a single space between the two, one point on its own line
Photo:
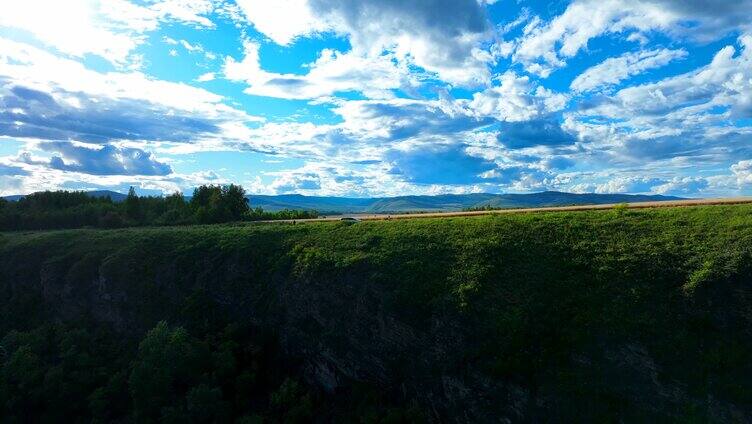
x=377 y=97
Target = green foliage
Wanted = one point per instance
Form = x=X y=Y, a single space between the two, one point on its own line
x=166 y=361
x=291 y=403
x=51 y=371
x=258 y=214
x=584 y=316
x=204 y=404
x=482 y=208
x=52 y=210
x=210 y=204
x=621 y=208
x=57 y=373
x=133 y=206
x=213 y=204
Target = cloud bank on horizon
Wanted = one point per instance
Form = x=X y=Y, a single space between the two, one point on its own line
x=377 y=97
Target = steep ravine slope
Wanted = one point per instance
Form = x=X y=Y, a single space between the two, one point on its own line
x=636 y=315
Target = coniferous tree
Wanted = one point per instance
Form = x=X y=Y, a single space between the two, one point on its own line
x=133 y=205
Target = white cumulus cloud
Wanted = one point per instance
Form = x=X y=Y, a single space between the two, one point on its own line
x=332 y=72
x=111 y=29
x=616 y=69
x=545 y=47
x=516 y=98
x=441 y=37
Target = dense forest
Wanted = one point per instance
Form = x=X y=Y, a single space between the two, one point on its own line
x=599 y=316
x=210 y=204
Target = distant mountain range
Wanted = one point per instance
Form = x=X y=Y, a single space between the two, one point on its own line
x=445 y=202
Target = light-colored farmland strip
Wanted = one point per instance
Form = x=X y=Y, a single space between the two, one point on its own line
x=636 y=205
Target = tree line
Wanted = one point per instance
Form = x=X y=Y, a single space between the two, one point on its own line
x=209 y=370
x=210 y=204
x=87 y=374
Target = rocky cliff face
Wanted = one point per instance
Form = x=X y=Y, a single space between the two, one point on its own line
x=467 y=336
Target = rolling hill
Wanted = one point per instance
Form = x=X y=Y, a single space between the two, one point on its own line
x=444 y=202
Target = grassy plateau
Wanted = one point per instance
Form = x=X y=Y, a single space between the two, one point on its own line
x=599 y=316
